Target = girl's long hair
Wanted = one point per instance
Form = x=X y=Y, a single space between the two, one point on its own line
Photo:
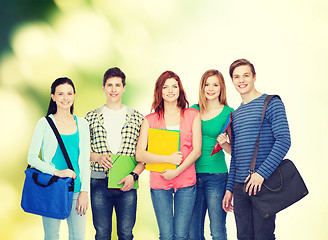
x=158 y=102
x=52 y=109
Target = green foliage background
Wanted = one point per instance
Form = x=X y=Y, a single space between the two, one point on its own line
x=41 y=40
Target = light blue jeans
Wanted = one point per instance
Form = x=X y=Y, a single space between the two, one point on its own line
x=173 y=211
x=76 y=224
x=210 y=192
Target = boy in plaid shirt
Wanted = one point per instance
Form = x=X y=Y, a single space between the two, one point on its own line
x=114 y=129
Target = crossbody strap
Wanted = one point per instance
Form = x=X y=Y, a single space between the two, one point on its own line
x=60 y=141
x=257 y=143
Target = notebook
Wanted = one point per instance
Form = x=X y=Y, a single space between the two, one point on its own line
x=122 y=166
x=217 y=146
x=162 y=142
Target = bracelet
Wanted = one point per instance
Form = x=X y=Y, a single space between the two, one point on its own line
x=135 y=176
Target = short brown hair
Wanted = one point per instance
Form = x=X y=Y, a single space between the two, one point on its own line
x=202 y=97
x=241 y=62
x=114 y=72
x=158 y=102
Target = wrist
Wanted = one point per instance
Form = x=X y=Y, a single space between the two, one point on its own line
x=176 y=171
x=134 y=175
x=56 y=173
x=98 y=157
x=168 y=159
x=223 y=144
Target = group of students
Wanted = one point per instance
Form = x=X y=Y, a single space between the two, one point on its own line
x=182 y=196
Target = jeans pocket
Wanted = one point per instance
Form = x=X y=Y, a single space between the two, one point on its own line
x=95 y=182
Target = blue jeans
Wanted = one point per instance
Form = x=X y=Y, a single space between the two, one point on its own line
x=250 y=225
x=103 y=200
x=173 y=211
x=75 y=222
x=210 y=192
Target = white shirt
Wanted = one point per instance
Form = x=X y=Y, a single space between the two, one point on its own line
x=173 y=127
x=113 y=122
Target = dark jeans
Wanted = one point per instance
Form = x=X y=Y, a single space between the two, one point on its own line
x=250 y=225
x=209 y=194
x=102 y=202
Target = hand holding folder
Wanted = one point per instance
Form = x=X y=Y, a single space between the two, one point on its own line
x=122 y=166
x=162 y=142
x=217 y=146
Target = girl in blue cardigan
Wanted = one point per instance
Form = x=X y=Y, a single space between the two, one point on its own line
x=75 y=134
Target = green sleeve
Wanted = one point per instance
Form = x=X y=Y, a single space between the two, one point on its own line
x=195 y=106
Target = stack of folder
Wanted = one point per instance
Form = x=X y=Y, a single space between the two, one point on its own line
x=226 y=125
x=162 y=142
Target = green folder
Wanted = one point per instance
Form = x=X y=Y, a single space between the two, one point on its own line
x=122 y=166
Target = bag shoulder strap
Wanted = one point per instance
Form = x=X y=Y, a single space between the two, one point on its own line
x=257 y=143
x=60 y=141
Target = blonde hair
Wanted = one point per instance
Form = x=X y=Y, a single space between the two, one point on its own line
x=202 y=98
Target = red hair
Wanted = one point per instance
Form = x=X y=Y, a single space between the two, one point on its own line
x=158 y=102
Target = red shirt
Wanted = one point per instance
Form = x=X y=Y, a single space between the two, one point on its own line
x=188 y=177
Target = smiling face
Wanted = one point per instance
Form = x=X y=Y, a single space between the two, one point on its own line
x=243 y=79
x=212 y=88
x=64 y=96
x=114 y=89
x=170 y=91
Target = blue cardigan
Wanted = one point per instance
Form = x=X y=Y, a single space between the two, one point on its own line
x=45 y=139
x=274 y=141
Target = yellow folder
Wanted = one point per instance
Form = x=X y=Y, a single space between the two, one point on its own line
x=122 y=167
x=162 y=142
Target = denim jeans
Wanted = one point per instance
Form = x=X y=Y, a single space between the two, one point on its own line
x=210 y=192
x=250 y=225
x=173 y=211
x=75 y=222
x=103 y=200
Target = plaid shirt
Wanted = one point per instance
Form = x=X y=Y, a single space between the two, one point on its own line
x=98 y=136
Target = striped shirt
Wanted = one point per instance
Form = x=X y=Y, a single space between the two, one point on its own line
x=274 y=140
x=98 y=137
